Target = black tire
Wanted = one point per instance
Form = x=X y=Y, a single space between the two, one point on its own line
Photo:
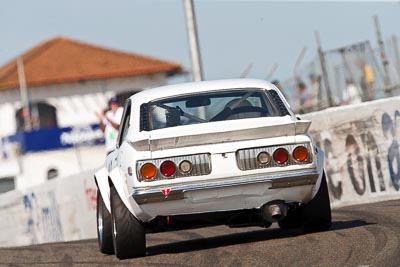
x=104 y=234
x=317 y=213
x=128 y=233
x=293 y=219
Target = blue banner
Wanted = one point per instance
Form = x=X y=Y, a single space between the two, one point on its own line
x=55 y=138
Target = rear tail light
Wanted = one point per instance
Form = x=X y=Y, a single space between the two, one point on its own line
x=263 y=158
x=185 y=166
x=281 y=155
x=168 y=168
x=174 y=167
x=300 y=153
x=148 y=170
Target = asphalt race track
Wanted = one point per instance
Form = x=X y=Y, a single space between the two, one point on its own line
x=364 y=235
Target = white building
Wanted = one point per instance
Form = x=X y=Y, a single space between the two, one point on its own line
x=67 y=82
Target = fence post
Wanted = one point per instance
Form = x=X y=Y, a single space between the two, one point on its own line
x=396 y=53
x=323 y=69
x=197 y=70
x=386 y=79
x=337 y=83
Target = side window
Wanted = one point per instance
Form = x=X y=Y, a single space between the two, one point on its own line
x=277 y=101
x=123 y=128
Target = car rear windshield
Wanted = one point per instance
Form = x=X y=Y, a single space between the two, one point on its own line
x=209 y=107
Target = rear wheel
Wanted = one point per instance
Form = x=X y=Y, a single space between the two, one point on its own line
x=127 y=232
x=104 y=234
x=293 y=219
x=317 y=213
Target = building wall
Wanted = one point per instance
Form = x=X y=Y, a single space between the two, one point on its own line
x=67 y=162
x=76 y=104
x=115 y=85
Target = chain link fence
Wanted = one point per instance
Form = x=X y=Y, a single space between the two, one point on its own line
x=354 y=74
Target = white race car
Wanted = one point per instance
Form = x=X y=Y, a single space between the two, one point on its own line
x=217 y=152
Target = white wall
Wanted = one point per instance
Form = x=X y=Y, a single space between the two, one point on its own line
x=116 y=85
x=60 y=210
x=357 y=141
x=8 y=123
x=76 y=102
x=67 y=161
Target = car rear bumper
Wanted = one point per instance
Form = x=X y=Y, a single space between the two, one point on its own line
x=285 y=180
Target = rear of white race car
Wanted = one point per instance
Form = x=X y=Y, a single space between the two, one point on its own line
x=237 y=172
x=238 y=183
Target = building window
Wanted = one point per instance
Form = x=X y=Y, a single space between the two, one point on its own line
x=7 y=184
x=52 y=173
x=42 y=114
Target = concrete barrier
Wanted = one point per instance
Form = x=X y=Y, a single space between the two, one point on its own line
x=362 y=160
x=362 y=165
x=60 y=210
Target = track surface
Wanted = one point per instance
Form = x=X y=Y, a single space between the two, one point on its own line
x=364 y=235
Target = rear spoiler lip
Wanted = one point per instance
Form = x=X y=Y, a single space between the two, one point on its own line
x=270 y=131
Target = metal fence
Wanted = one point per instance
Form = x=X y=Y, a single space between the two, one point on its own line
x=354 y=74
x=393 y=52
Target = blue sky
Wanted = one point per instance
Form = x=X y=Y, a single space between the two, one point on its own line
x=232 y=34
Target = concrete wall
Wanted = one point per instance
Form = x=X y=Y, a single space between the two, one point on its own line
x=361 y=150
x=362 y=165
x=62 y=209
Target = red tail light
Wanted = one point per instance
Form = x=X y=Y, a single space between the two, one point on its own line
x=168 y=168
x=300 y=153
x=281 y=155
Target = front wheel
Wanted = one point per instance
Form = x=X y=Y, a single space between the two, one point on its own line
x=128 y=233
x=104 y=234
x=317 y=213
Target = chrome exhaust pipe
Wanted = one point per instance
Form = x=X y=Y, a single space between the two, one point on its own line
x=274 y=211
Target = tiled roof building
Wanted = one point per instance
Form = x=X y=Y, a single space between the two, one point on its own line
x=63 y=60
x=67 y=82
x=77 y=79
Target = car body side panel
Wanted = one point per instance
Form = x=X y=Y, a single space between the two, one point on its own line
x=119 y=183
x=101 y=177
x=320 y=167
